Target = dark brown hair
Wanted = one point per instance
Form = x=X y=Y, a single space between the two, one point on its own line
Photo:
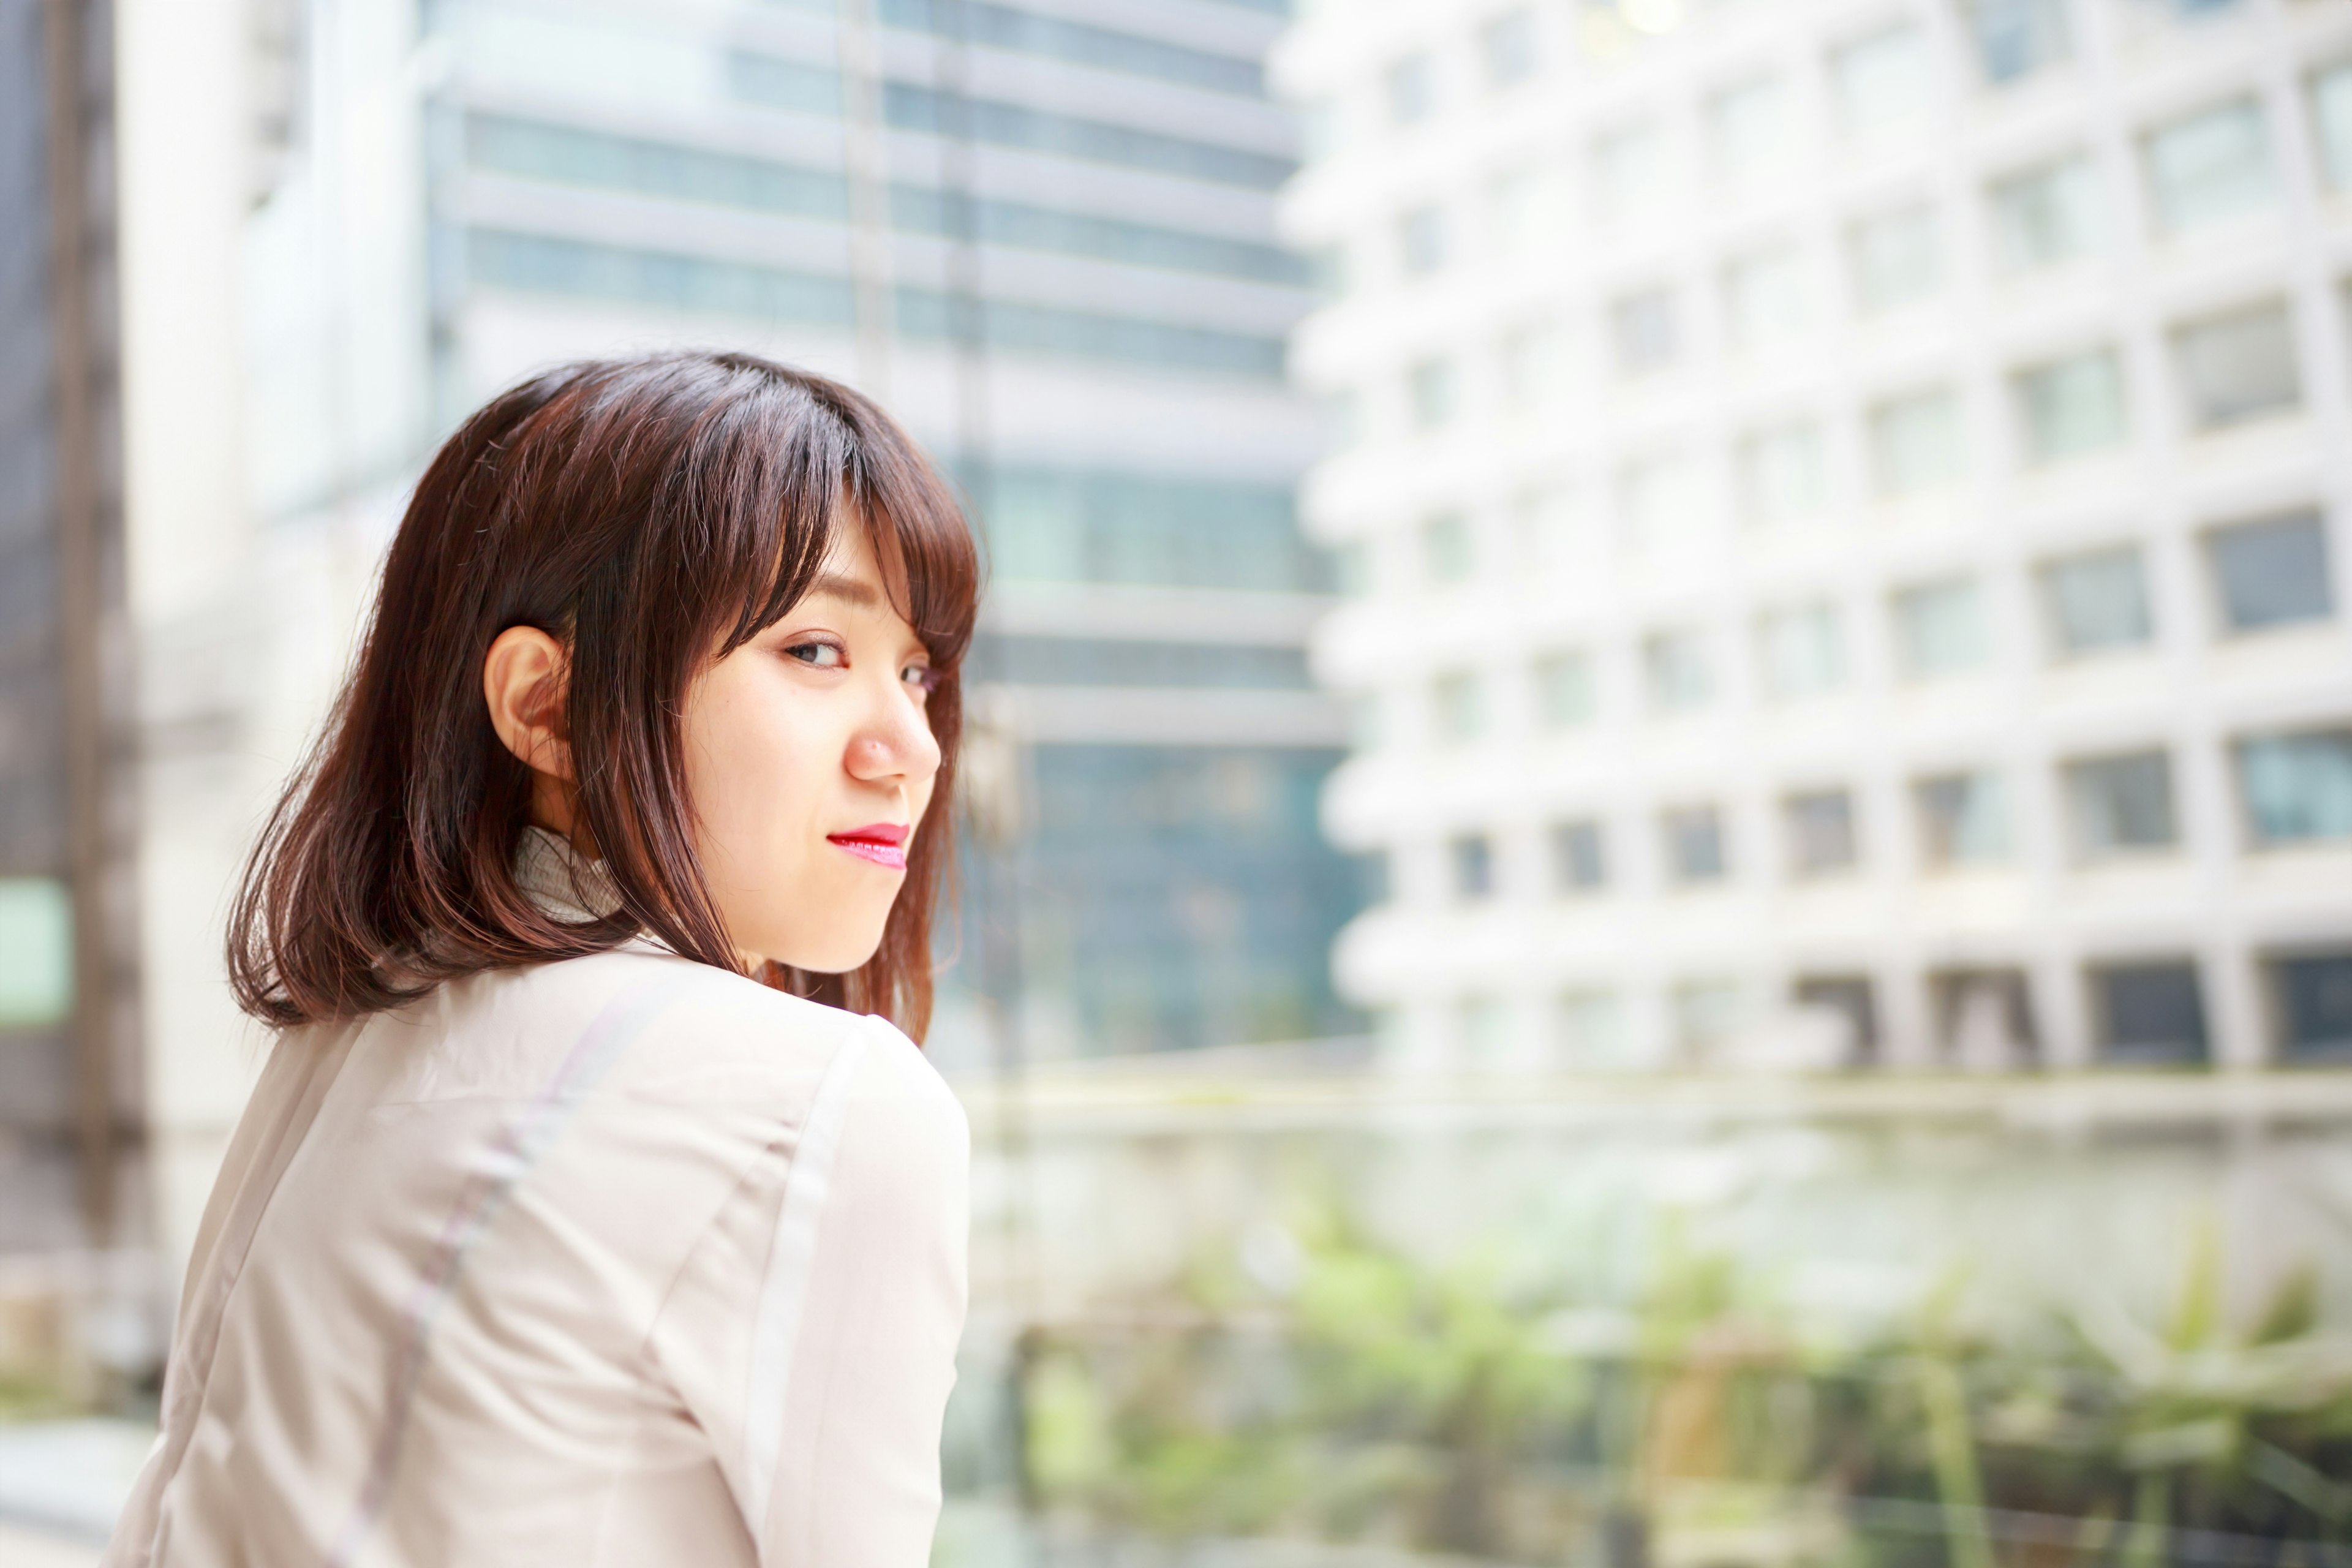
x=652 y=515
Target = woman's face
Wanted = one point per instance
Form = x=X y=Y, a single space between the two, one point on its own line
x=809 y=762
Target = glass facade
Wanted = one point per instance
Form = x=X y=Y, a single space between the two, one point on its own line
x=1564 y=697
x=1914 y=444
x=1800 y=652
x=1782 y=477
x=1679 y=670
x=2296 y=788
x=1820 y=829
x=1939 y=629
x=2149 y=1013
x=2237 y=368
x=1579 y=862
x=1694 y=845
x=2097 y=601
x=2311 y=1006
x=2272 y=574
x=1172 y=897
x=2121 y=805
x=2071 y=407
x=2210 y=167
x=2047 y=215
x=1897 y=259
x=1963 y=819
x=2018 y=39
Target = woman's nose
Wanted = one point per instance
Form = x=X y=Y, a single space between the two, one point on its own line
x=895 y=738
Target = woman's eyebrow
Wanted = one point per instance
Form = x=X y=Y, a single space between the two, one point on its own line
x=849 y=590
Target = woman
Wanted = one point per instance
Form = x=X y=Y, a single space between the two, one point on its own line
x=590 y=1209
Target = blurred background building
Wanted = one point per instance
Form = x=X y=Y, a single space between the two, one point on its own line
x=1844 y=512
x=1817 y=530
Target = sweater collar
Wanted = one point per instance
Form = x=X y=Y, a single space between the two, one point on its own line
x=562 y=882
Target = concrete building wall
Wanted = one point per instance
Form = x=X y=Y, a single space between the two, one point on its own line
x=1768 y=415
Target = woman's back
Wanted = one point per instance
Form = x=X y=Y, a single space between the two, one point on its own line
x=614 y=1261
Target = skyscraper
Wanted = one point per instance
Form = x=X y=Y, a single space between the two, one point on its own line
x=1846 y=515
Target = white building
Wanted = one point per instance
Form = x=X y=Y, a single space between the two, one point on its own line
x=1850 y=512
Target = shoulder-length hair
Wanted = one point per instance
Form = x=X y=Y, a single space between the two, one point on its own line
x=652 y=515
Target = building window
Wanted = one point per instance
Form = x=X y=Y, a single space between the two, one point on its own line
x=37 y=968
x=1629 y=169
x=2238 y=366
x=1801 y=653
x=1472 y=856
x=1522 y=203
x=1782 y=477
x=2311 y=1004
x=1447 y=553
x=1963 y=819
x=2210 y=167
x=1751 y=126
x=1509 y=44
x=1695 y=845
x=1765 y=299
x=1592 y=1029
x=2149 y=1014
x=1897 y=259
x=1484 y=1026
x=1882 y=80
x=2270 y=574
x=1662 y=499
x=2097 y=601
x=1532 y=364
x=1984 y=1018
x=1820 y=824
x=1681 y=675
x=1433 y=393
x=1939 y=629
x=1707 y=1014
x=1642 y=330
x=1579 y=857
x=2331 y=113
x=1564 y=698
x=1914 y=444
x=2121 y=805
x=1852 y=1002
x=2047 y=215
x=1421 y=241
x=2070 y=406
x=2296 y=788
x=1458 y=705
x=2016 y=38
x=1412 y=89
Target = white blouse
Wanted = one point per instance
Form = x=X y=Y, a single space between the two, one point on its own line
x=623 y=1260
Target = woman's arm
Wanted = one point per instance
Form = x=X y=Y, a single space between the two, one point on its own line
x=813 y=1336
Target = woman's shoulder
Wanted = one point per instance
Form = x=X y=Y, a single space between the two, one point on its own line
x=649 y=1025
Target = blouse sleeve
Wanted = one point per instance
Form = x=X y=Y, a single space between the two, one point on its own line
x=812 y=1333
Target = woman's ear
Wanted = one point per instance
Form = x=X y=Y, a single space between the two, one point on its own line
x=523 y=681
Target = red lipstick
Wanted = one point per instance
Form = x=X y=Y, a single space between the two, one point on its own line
x=883 y=843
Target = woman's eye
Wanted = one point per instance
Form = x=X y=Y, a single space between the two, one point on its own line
x=921 y=676
x=817 y=654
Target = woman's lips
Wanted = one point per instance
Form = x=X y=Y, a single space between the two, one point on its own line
x=883 y=843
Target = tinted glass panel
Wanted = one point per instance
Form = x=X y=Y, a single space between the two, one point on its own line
x=2297 y=789
x=2272 y=574
x=2310 y=995
x=2150 y=1013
